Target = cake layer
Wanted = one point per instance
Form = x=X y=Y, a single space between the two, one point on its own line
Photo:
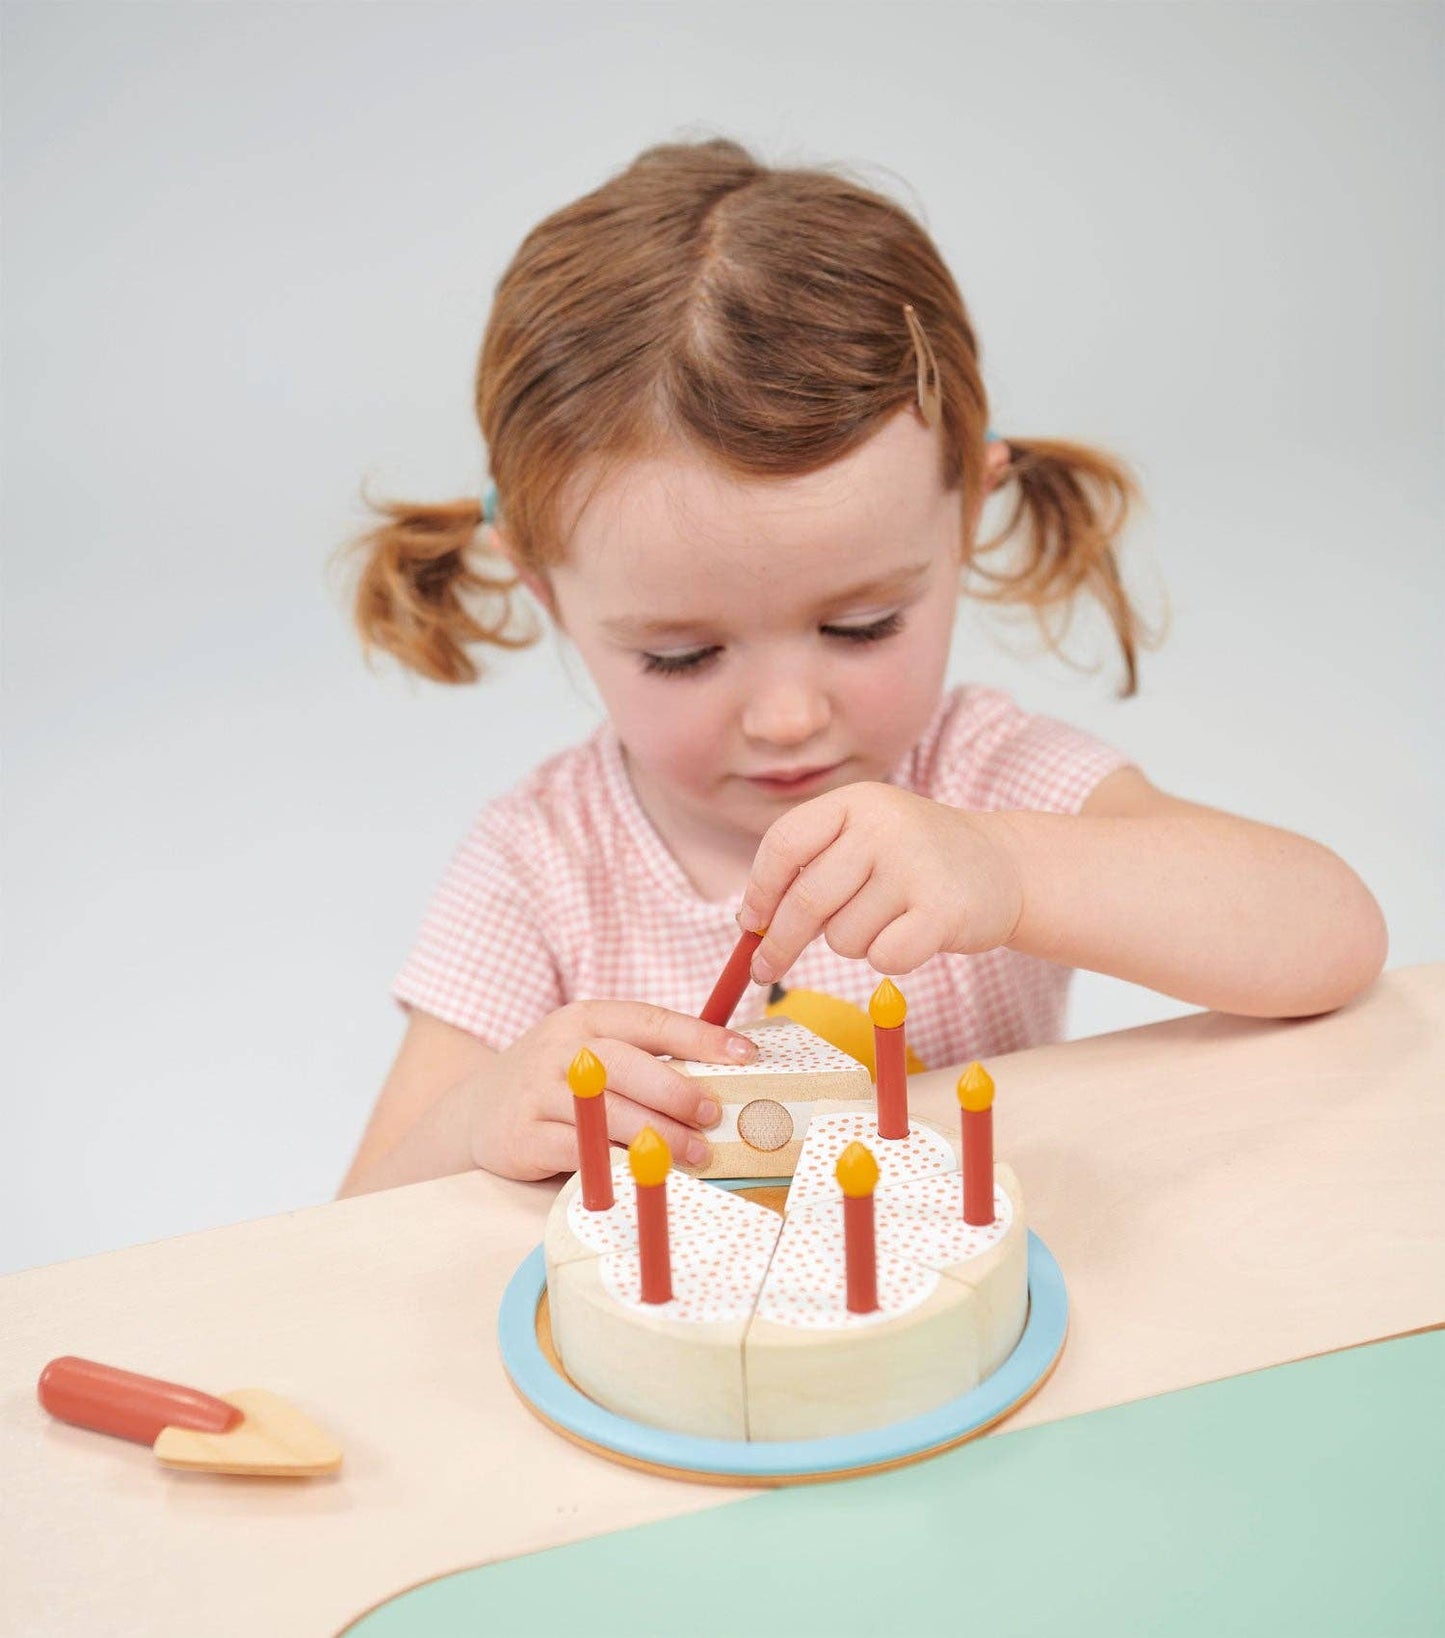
x=676 y=1364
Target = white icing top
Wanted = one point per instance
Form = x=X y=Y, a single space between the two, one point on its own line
x=694 y=1210
x=785 y=1047
x=807 y=1283
x=715 y=1275
x=732 y=1258
x=923 y=1153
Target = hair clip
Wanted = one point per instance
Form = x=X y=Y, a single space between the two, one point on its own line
x=489 y=504
x=930 y=399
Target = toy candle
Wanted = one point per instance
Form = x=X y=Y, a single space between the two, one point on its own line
x=975 y=1096
x=728 y=990
x=587 y=1078
x=649 y=1158
x=857 y=1172
x=888 y=1009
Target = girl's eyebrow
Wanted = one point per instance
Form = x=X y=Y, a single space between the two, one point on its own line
x=883 y=587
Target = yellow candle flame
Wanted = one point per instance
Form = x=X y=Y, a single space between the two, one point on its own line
x=888 y=1009
x=585 y=1074
x=975 y=1088
x=649 y=1156
x=857 y=1171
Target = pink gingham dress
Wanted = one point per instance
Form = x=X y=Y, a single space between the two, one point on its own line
x=563 y=891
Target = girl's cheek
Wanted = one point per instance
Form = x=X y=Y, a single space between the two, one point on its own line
x=891 y=702
x=673 y=725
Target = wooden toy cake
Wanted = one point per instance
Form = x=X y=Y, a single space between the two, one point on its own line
x=894 y=1279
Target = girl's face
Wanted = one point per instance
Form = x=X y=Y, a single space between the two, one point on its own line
x=757 y=643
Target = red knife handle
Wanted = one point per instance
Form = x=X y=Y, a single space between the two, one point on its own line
x=121 y=1402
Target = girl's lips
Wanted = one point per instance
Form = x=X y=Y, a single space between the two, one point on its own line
x=793 y=782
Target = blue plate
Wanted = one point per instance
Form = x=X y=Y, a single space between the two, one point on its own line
x=556 y=1401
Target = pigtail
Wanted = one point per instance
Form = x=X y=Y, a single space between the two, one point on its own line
x=1074 y=502
x=426 y=590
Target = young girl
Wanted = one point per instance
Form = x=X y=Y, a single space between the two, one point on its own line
x=737 y=428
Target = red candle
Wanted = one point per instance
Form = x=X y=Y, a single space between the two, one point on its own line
x=649 y=1158
x=975 y=1097
x=857 y=1172
x=587 y=1078
x=728 y=990
x=888 y=1009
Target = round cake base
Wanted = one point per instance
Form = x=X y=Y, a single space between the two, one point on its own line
x=525 y=1336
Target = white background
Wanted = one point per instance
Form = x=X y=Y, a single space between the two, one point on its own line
x=248 y=255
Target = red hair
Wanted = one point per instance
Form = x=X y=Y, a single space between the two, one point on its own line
x=701 y=298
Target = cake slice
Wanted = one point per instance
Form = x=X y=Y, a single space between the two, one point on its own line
x=767 y=1104
x=920 y=1221
x=676 y=1364
x=814 y=1370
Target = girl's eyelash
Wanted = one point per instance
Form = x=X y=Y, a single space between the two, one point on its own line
x=674 y=665
x=886 y=627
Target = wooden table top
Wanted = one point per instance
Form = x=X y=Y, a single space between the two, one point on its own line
x=1222 y=1194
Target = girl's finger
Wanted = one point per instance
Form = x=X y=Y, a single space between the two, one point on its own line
x=873 y=907
x=789 y=844
x=554 y=1147
x=660 y=1029
x=635 y=1074
x=905 y=943
x=625 y=1119
x=817 y=893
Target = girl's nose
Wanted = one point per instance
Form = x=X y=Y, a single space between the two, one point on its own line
x=785 y=710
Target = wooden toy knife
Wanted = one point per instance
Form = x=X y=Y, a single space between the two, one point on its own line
x=248 y=1431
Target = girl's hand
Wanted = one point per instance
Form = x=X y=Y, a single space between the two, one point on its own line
x=885 y=876
x=521 y=1120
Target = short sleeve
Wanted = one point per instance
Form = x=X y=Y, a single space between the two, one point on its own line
x=1002 y=758
x=480 y=960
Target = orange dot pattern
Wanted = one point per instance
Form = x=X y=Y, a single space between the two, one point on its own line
x=785 y=1047
x=715 y=1275
x=806 y=1287
x=733 y=1259
x=693 y=1208
x=922 y=1153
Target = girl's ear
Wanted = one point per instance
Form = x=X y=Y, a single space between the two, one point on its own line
x=535 y=583
x=996 y=457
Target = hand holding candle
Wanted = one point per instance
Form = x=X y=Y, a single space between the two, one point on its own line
x=857 y=1174
x=975 y=1097
x=650 y=1161
x=888 y=1009
x=728 y=990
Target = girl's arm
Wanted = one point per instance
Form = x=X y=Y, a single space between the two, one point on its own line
x=1219 y=911
x=420 y=1125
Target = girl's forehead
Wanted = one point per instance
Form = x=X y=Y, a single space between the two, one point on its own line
x=674 y=517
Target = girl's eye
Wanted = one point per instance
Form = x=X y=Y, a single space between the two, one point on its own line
x=676 y=665
x=673 y=665
x=888 y=626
